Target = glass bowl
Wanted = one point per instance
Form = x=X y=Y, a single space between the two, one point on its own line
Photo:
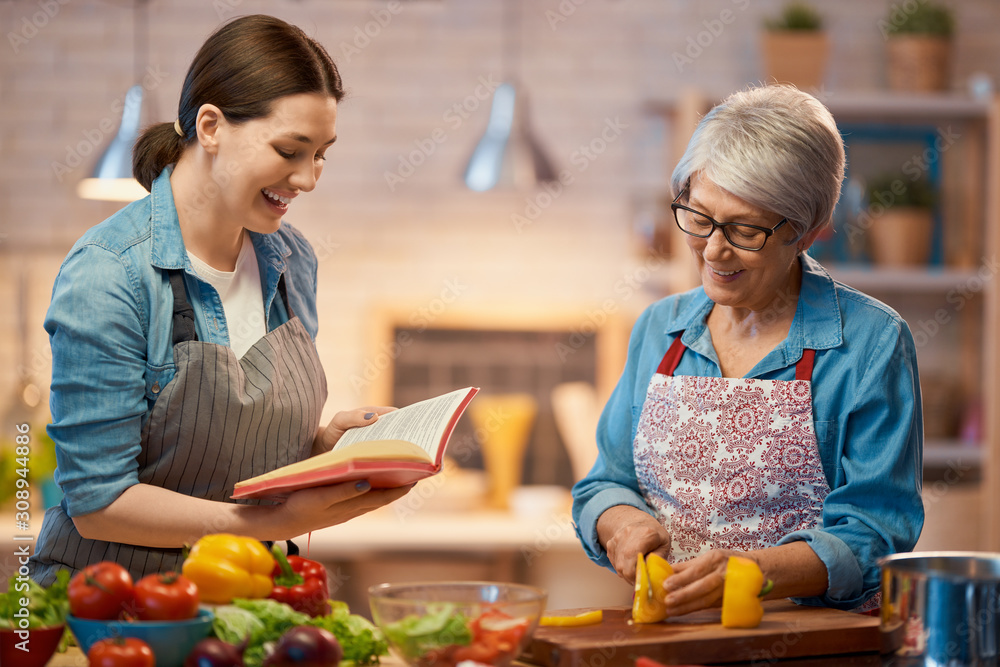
x=171 y=641
x=444 y=623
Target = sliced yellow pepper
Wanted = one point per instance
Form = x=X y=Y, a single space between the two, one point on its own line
x=741 y=607
x=659 y=570
x=225 y=566
x=586 y=618
x=649 y=604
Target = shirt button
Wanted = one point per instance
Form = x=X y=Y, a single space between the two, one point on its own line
x=156 y=387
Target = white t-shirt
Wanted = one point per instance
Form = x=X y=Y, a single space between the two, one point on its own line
x=241 y=294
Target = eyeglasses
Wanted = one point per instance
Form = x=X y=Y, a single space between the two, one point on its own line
x=743 y=236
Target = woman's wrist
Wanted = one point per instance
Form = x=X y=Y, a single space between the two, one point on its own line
x=794 y=568
x=263 y=522
x=616 y=517
x=319 y=446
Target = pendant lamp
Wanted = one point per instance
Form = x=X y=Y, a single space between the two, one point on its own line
x=509 y=154
x=111 y=178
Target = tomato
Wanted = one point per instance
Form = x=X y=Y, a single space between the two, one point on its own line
x=483 y=649
x=495 y=635
x=121 y=652
x=440 y=657
x=102 y=591
x=166 y=597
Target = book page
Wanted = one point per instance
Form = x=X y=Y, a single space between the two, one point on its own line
x=421 y=423
x=386 y=450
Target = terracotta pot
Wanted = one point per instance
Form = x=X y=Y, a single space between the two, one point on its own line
x=901 y=236
x=919 y=63
x=796 y=57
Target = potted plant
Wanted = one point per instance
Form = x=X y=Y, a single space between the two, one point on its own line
x=900 y=220
x=919 y=45
x=796 y=47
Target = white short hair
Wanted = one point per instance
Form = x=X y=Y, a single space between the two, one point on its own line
x=773 y=146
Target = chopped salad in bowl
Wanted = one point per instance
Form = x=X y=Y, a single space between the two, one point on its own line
x=442 y=624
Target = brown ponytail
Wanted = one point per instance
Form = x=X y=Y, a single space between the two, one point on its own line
x=157 y=146
x=242 y=68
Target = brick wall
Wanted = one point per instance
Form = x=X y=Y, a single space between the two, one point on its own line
x=586 y=64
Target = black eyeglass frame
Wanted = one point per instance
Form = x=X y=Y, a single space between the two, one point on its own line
x=768 y=231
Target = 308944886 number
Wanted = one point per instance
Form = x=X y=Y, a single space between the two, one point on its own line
x=22 y=495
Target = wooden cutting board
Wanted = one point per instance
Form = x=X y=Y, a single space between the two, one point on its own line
x=787 y=631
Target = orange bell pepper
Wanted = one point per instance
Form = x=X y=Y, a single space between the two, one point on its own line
x=225 y=566
x=649 y=604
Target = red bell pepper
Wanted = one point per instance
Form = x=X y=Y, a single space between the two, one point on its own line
x=300 y=583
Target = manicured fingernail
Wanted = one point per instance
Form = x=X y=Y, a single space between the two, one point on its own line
x=363 y=485
x=369 y=415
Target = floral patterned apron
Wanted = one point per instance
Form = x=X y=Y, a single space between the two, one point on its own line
x=729 y=463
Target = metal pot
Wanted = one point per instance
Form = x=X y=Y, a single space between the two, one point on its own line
x=942 y=608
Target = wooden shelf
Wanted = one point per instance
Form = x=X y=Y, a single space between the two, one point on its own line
x=906 y=106
x=868 y=104
x=915 y=279
x=948 y=453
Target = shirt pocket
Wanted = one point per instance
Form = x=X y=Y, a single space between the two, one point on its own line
x=826 y=432
x=636 y=414
x=826 y=439
x=157 y=378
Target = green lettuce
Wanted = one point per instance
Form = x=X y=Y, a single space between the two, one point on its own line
x=46 y=607
x=276 y=618
x=361 y=641
x=442 y=626
x=234 y=625
x=262 y=622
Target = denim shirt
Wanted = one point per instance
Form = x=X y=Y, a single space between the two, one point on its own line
x=110 y=329
x=866 y=412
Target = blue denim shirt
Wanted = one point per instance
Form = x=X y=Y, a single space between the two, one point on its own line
x=110 y=329
x=866 y=411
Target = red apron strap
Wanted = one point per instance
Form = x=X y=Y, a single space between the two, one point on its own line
x=673 y=357
x=804 y=369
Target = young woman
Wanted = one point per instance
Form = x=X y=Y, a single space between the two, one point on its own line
x=182 y=328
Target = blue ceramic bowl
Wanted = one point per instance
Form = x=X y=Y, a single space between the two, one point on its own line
x=171 y=641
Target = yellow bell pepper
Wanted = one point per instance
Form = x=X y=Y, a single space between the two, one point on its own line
x=649 y=604
x=741 y=607
x=225 y=566
x=586 y=618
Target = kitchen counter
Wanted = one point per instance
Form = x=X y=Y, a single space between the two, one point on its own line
x=478 y=530
x=73 y=657
x=395 y=543
x=789 y=636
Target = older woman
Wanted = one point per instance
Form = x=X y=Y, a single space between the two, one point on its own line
x=772 y=412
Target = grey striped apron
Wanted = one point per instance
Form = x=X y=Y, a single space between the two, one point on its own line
x=218 y=421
